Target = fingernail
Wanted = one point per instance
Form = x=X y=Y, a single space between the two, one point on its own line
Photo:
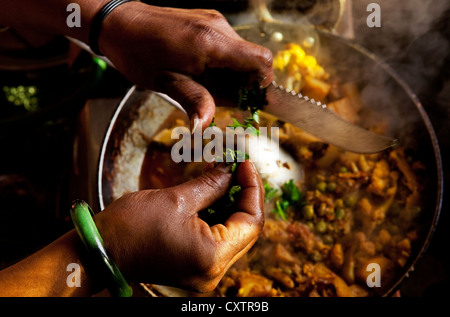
x=195 y=123
x=262 y=82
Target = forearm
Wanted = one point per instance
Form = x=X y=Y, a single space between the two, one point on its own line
x=45 y=273
x=49 y=16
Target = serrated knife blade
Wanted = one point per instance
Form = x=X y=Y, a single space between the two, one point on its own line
x=321 y=122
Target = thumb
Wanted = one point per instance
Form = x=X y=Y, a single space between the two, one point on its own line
x=241 y=230
x=204 y=190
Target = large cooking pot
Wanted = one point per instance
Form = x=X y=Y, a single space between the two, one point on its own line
x=141 y=113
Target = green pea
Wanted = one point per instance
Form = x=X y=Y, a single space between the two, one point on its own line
x=350 y=201
x=321 y=226
x=331 y=187
x=31 y=90
x=343 y=169
x=339 y=203
x=327 y=239
x=321 y=186
x=310 y=225
x=287 y=270
x=308 y=212
x=316 y=257
x=339 y=213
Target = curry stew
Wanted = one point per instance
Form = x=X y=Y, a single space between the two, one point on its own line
x=357 y=213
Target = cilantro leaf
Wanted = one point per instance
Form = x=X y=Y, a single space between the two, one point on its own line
x=281 y=207
x=236 y=124
x=212 y=124
x=269 y=192
x=291 y=196
x=291 y=193
x=248 y=124
x=233 y=191
x=255 y=116
x=252 y=99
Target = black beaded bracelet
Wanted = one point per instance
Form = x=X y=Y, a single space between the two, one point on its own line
x=97 y=23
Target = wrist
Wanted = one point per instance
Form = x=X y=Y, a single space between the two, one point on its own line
x=116 y=24
x=99 y=259
x=110 y=234
x=89 y=284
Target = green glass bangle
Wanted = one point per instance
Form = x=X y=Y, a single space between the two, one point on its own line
x=82 y=218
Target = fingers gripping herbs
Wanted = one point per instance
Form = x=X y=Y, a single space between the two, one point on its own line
x=222 y=208
x=251 y=100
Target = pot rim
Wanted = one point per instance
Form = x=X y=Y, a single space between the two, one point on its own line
x=414 y=99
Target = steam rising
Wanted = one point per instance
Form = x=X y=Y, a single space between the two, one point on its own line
x=414 y=40
x=408 y=38
x=411 y=40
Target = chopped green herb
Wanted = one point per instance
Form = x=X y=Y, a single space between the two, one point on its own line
x=291 y=196
x=281 y=207
x=269 y=192
x=220 y=209
x=252 y=99
x=248 y=124
x=230 y=155
x=233 y=191
x=255 y=116
x=291 y=192
x=236 y=124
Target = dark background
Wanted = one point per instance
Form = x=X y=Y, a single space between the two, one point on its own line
x=41 y=167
